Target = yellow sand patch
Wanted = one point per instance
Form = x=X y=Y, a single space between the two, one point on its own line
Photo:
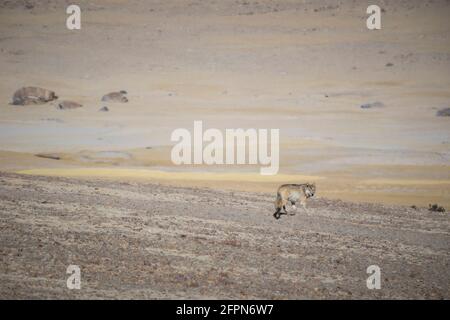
x=163 y=175
x=419 y=192
x=406 y=182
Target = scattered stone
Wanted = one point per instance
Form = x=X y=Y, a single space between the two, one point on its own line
x=443 y=112
x=48 y=156
x=376 y=104
x=414 y=207
x=336 y=260
x=104 y=109
x=53 y=120
x=33 y=95
x=436 y=208
x=16 y=52
x=65 y=105
x=116 y=97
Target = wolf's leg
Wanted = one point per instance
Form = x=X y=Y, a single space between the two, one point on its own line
x=303 y=202
x=284 y=206
x=294 y=208
x=277 y=214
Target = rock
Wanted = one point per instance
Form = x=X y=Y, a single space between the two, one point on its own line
x=376 y=104
x=104 y=109
x=33 y=95
x=53 y=120
x=116 y=97
x=65 y=105
x=443 y=112
x=389 y=64
x=48 y=156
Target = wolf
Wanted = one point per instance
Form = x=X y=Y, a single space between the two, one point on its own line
x=292 y=193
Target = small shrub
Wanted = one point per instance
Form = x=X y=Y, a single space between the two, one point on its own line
x=436 y=208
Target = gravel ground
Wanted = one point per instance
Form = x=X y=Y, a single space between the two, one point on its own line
x=140 y=240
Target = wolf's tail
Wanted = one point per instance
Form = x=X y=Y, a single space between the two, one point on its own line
x=278 y=206
x=278 y=202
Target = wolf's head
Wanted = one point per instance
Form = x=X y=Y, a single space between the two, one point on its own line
x=310 y=189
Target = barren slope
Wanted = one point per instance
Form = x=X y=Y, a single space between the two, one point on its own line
x=138 y=240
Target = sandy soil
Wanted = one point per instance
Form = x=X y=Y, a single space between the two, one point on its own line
x=141 y=240
x=305 y=67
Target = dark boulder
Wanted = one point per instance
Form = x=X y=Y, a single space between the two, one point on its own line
x=33 y=95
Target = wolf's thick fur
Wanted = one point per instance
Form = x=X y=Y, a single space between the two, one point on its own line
x=292 y=193
x=33 y=95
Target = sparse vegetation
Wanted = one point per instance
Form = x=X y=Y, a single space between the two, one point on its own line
x=443 y=112
x=436 y=208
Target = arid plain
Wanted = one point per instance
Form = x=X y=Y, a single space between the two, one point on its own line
x=304 y=67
